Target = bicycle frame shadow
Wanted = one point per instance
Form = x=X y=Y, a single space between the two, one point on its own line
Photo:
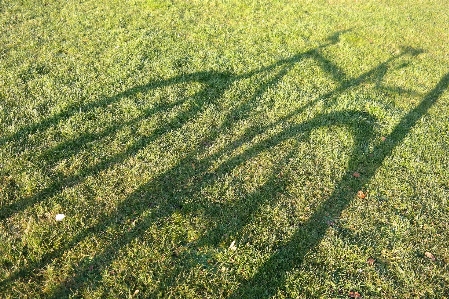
x=285 y=258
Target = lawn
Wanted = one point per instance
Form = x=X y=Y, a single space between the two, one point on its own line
x=224 y=149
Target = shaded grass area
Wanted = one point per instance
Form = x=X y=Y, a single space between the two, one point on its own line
x=163 y=152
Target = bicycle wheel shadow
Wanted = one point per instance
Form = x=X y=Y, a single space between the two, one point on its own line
x=271 y=276
x=161 y=193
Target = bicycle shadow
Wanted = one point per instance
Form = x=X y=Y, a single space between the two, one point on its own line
x=162 y=193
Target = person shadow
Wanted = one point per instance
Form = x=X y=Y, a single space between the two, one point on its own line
x=192 y=174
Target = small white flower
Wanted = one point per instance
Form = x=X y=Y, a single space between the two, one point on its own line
x=59 y=217
x=232 y=246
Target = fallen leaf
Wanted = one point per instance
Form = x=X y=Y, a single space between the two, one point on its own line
x=370 y=261
x=430 y=256
x=59 y=217
x=361 y=194
x=356 y=174
x=232 y=246
x=353 y=294
x=383 y=138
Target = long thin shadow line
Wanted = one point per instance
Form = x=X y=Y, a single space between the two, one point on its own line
x=83 y=142
x=331 y=40
x=272 y=274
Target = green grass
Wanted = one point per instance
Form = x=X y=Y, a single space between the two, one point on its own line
x=166 y=131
